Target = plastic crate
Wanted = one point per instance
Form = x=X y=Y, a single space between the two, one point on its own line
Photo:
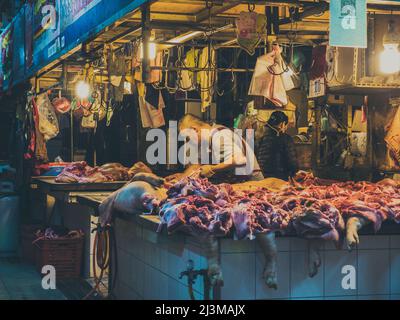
x=64 y=254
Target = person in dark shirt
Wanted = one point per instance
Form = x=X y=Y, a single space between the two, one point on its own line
x=276 y=152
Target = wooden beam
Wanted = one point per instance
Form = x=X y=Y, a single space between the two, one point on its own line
x=215 y=10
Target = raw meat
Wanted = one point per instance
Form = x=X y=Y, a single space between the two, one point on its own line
x=80 y=172
x=138 y=197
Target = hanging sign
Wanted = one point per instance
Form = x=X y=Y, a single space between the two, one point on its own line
x=6 y=53
x=61 y=25
x=348 y=23
x=317 y=87
x=250 y=26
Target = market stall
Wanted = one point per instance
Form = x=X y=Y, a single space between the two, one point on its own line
x=104 y=150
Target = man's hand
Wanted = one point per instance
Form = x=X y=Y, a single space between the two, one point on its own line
x=207 y=171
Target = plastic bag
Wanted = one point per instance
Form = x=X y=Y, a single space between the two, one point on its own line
x=48 y=122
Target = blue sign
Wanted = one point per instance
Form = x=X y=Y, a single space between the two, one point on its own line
x=61 y=25
x=348 y=23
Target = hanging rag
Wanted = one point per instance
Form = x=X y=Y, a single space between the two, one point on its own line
x=48 y=122
x=250 y=26
x=392 y=138
x=319 y=66
x=267 y=81
x=151 y=114
x=206 y=78
x=117 y=71
x=188 y=79
x=40 y=142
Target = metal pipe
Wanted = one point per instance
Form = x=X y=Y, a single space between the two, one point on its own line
x=319 y=9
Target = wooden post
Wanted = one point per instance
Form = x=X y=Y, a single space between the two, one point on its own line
x=146 y=33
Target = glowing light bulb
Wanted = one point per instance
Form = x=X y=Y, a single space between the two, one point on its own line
x=152 y=49
x=390 y=59
x=82 y=90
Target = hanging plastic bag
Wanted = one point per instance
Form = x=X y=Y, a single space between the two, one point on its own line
x=48 y=122
x=267 y=80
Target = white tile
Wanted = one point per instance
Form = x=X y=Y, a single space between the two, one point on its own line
x=373 y=297
x=239 y=276
x=237 y=246
x=373 y=272
x=283 y=268
x=124 y=267
x=177 y=262
x=395 y=271
x=302 y=286
x=297 y=244
x=373 y=242
x=395 y=242
x=341 y=298
x=334 y=263
x=200 y=263
x=282 y=244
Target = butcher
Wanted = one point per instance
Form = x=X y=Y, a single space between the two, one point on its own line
x=224 y=159
x=277 y=154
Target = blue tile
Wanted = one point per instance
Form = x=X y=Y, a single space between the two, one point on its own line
x=239 y=276
x=395 y=271
x=302 y=286
x=334 y=262
x=283 y=268
x=373 y=272
x=395 y=297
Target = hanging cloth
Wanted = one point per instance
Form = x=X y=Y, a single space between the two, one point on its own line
x=392 y=138
x=40 y=142
x=206 y=78
x=250 y=26
x=152 y=115
x=267 y=81
x=188 y=79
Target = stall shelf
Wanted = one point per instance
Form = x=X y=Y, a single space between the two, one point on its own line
x=150 y=263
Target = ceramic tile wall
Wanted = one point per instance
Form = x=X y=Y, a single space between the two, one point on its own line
x=149 y=267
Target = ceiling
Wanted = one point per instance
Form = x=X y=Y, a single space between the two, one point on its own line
x=185 y=20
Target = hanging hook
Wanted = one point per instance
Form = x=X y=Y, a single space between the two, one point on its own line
x=251 y=7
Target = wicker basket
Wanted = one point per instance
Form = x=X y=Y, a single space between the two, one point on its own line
x=64 y=254
x=28 y=235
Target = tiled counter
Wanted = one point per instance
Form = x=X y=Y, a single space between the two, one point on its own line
x=150 y=264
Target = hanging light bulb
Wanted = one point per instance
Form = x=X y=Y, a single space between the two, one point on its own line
x=82 y=90
x=152 y=50
x=390 y=56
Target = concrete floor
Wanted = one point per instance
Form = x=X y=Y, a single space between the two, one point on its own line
x=19 y=281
